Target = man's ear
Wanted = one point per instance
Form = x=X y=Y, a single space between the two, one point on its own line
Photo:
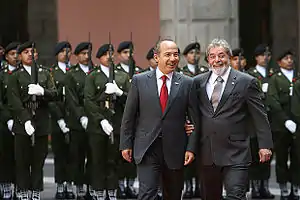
x=156 y=57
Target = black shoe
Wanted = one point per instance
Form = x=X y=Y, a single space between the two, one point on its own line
x=60 y=192
x=130 y=193
x=197 y=192
x=188 y=193
x=255 y=192
x=284 y=197
x=264 y=190
x=121 y=193
x=291 y=197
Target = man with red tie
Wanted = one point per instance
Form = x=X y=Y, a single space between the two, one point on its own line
x=161 y=148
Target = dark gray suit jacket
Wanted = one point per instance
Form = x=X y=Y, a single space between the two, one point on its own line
x=143 y=119
x=224 y=137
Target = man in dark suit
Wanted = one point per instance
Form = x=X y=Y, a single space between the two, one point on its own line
x=153 y=125
x=227 y=99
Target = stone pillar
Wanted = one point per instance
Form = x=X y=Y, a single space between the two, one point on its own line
x=188 y=20
x=42 y=28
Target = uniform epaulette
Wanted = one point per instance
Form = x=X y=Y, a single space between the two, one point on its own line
x=41 y=67
x=92 y=70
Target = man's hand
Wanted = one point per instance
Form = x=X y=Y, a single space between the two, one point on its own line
x=264 y=155
x=189 y=157
x=127 y=154
x=189 y=128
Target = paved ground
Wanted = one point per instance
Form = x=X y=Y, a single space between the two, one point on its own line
x=50 y=185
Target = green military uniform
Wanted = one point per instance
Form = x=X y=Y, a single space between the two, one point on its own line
x=198 y=70
x=75 y=82
x=60 y=140
x=259 y=172
x=281 y=94
x=30 y=159
x=7 y=160
x=105 y=156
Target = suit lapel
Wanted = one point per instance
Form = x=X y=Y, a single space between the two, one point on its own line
x=231 y=82
x=152 y=86
x=175 y=86
x=203 y=92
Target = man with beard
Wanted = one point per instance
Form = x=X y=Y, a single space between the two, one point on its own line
x=77 y=120
x=227 y=98
x=60 y=130
x=7 y=168
x=160 y=148
x=30 y=121
x=260 y=172
x=281 y=96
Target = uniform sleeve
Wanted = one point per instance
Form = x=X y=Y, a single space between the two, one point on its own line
x=55 y=107
x=14 y=100
x=5 y=113
x=92 y=108
x=73 y=104
x=50 y=92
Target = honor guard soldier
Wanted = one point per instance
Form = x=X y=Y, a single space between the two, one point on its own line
x=30 y=90
x=2 y=56
x=105 y=94
x=60 y=131
x=259 y=173
x=192 y=56
x=7 y=160
x=77 y=119
x=285 y=122
x=238 y=60
x=127 y=171
x=151 y=61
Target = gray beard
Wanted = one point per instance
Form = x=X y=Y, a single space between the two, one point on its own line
x=220 y=71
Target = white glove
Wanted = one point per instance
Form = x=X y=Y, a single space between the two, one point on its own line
x=84 y=122
x=29 y=128
x=10 y=124
x=264 y=87
x=63 y=126
x=290 y=125
x=112 y=88
x=107 y=128
x=35 y=89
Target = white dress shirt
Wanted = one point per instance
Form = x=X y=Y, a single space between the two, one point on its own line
x=62 y=66
x=125 y=67
x=28 y=69
x=213 y=81
x=191 y=68
x=289 y=74
x=261 y=70
x=105 y=70
x=84 y=68
x=159 y=74
x=11 y=68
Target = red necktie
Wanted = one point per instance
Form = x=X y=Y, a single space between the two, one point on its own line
x=163 y=94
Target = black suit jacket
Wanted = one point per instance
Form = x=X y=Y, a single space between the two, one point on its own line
x=224 y=137
x=143 y=119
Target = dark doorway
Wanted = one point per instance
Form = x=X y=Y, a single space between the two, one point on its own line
x=255 y=26
x=13 y=21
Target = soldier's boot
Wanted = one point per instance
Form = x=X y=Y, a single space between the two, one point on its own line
x=255 y=192
x=7 y=192
x=80 y=192
x=264 y=190
x=112 y=195
x=17 y=194
x=121 y=192
x=130 y=191
x=69 y=193
x=100 y=195
x=294 y=193
x=36 y=195
x=197 y=192
x=23 y=195
x=284 y=192
x=60 y=191
x=159 y=194
x=90 y=193
x=188 y=192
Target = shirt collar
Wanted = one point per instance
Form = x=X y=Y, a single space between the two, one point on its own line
x=105 y=70
x=62 y=66
x=214 y=76
x=159 y=74
x=125 y=67
x=191 y=67
x=27 y=68
x=11 y=68
x=261 y=70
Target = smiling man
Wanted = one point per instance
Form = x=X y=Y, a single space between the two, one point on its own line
x=160 y=148
x=227 y=98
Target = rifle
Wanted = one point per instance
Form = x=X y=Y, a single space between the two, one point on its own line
x=34 y=80
x=196 y=58
x=131 y=60
x=90 y=62
x=110 y=104
x=67 y=135
x=266 y=54
x=239 y=62
x=18 y=61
